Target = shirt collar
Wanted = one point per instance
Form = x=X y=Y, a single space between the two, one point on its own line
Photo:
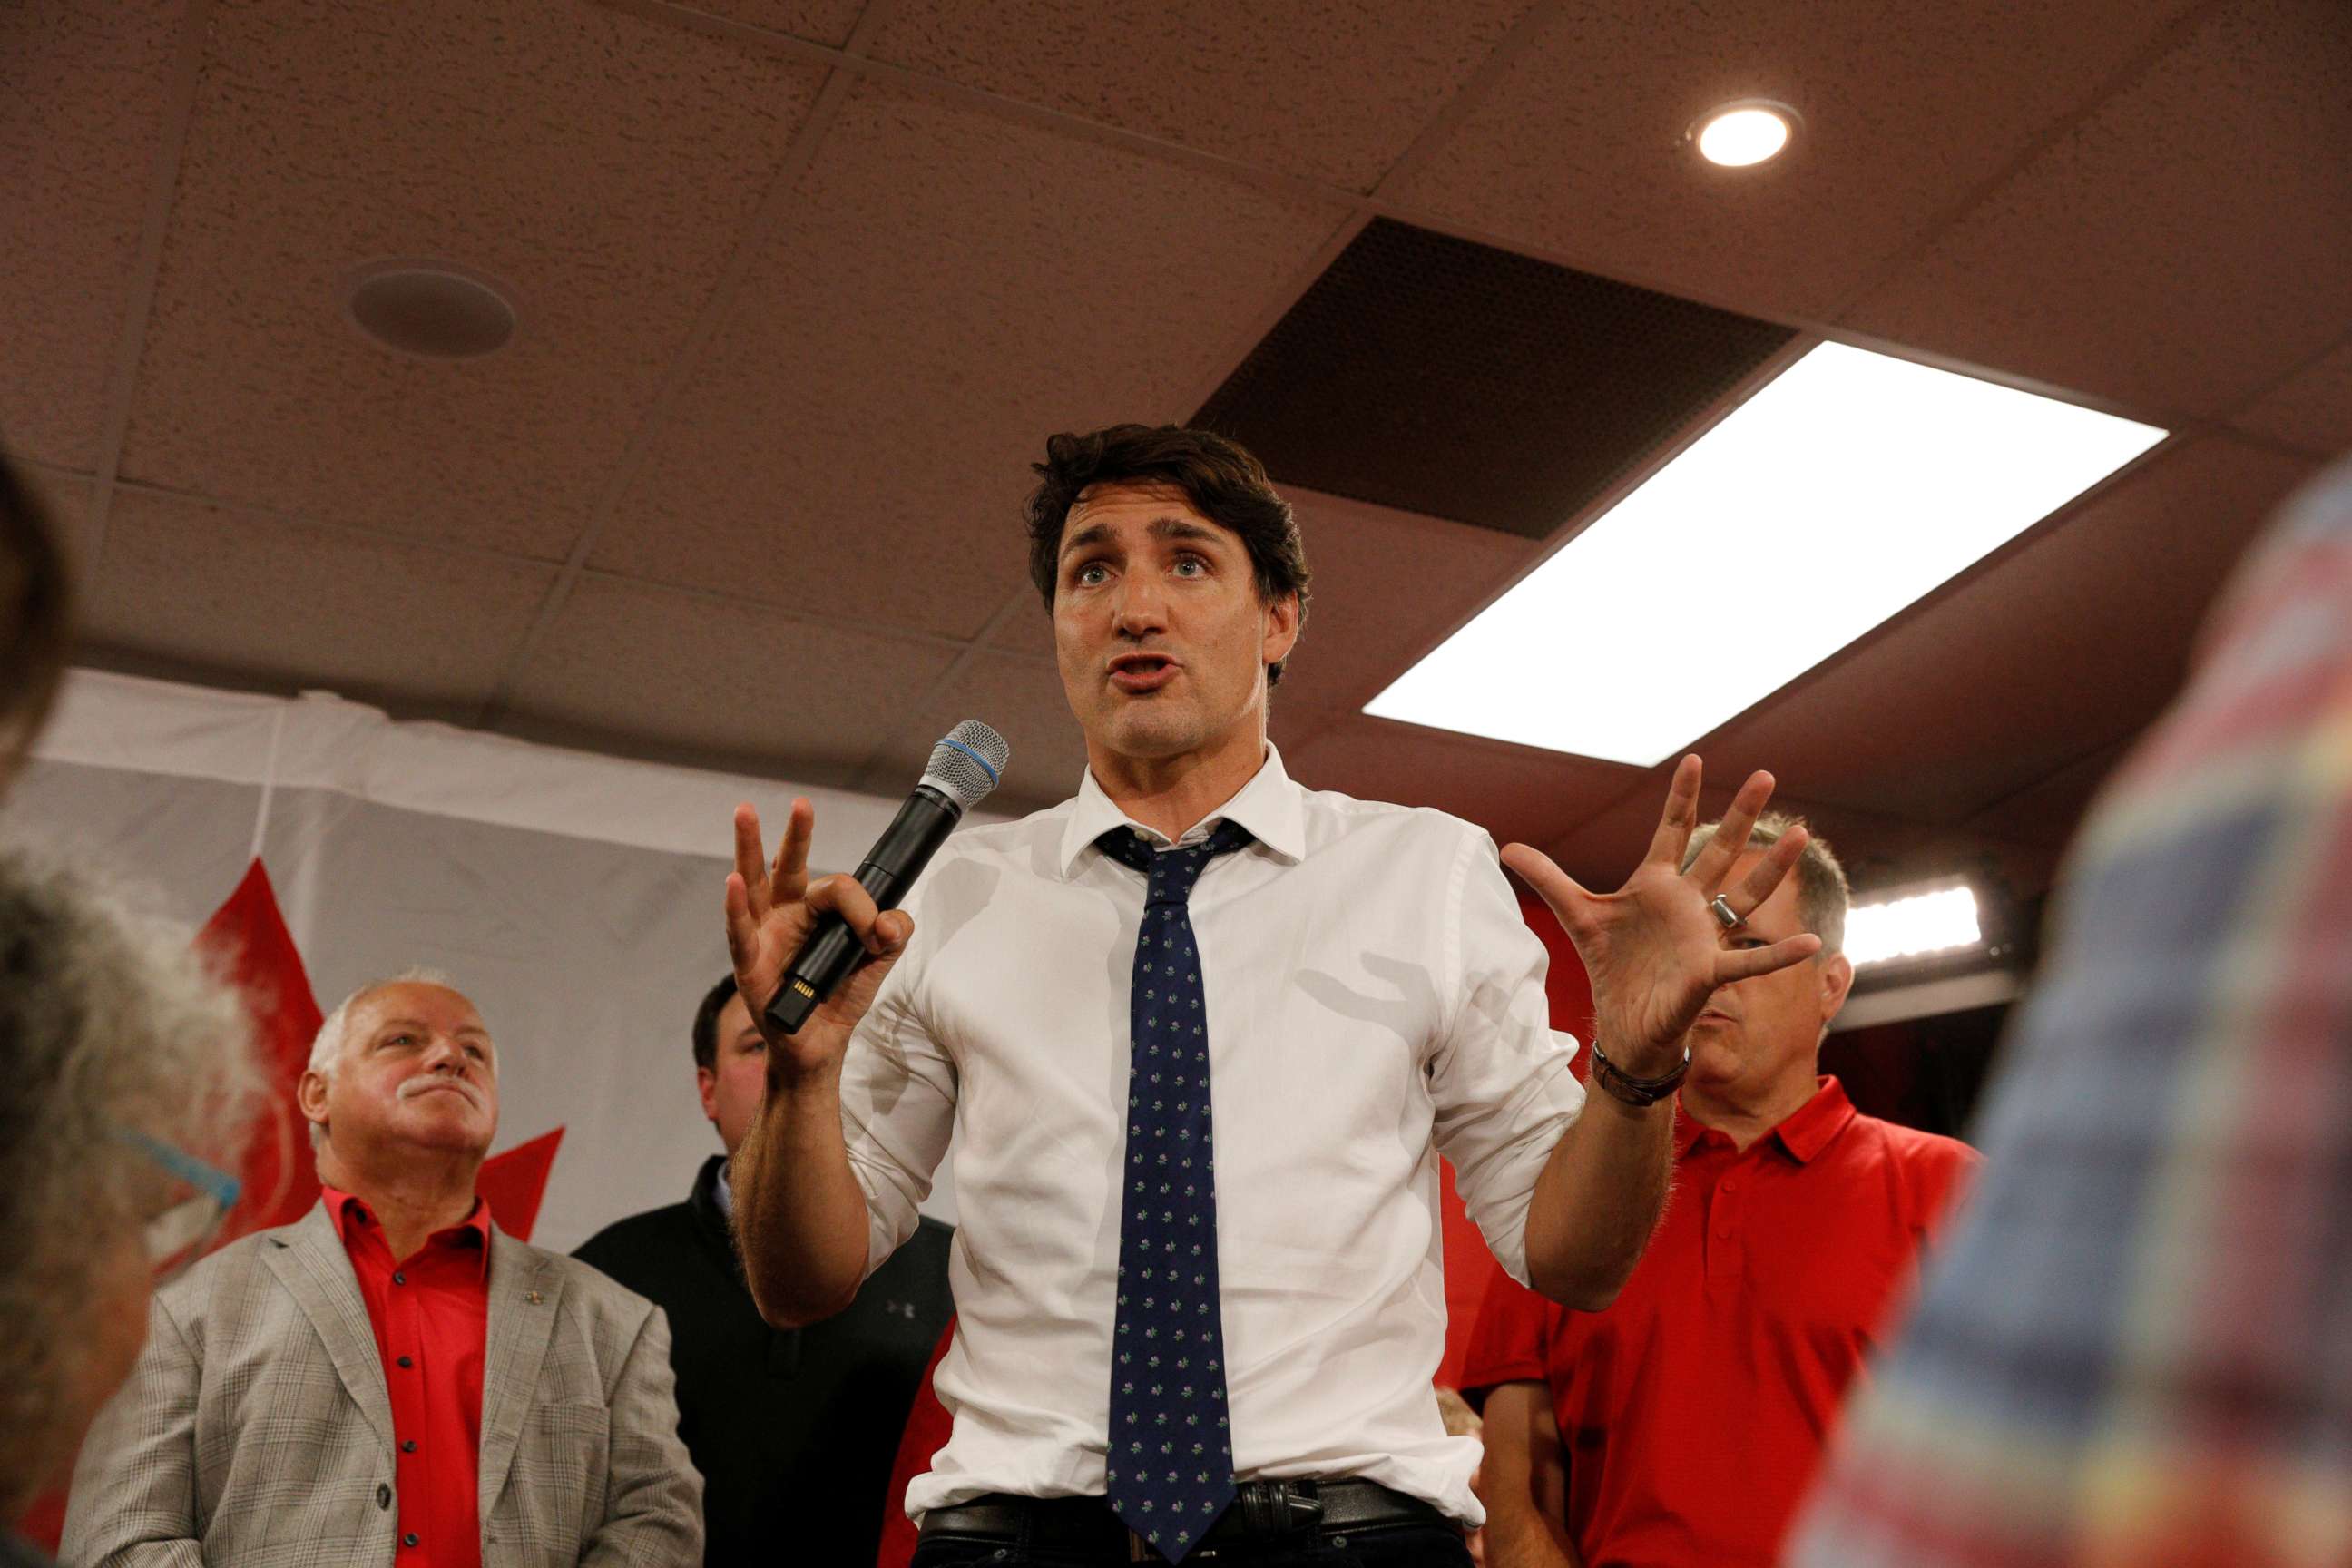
x=348 y=1211
x=1804 y=1132
x=1272 y=807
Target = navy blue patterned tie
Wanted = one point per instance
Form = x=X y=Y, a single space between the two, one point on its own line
x=1171 y=1454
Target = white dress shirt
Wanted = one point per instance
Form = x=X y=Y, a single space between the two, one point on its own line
x=1373 y=999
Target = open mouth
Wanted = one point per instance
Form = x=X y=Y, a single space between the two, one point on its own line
x=1140 y=672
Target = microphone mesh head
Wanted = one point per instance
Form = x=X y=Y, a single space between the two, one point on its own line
x=968 y=764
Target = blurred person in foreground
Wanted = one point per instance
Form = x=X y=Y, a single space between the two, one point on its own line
x=1204 y=1033
x=2138 y=1347
x=1681 y=1425
x=126 y=1087
x=35 y=621
x=391 y=1379
x=793 y=1429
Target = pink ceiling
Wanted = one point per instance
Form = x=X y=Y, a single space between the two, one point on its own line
x=802 y=285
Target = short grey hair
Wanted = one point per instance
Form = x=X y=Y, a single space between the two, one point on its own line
x=1822 y=893
x=333 y=1039
x=110 y=1023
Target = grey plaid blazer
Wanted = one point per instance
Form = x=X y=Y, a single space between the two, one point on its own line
x=256 y=1430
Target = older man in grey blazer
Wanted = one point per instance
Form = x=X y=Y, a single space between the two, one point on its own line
x=392 y=1379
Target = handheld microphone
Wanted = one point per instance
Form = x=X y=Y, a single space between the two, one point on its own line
x=963 y=768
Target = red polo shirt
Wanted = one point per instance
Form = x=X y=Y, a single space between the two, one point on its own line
x=431 y=1316
x=1694 y=1408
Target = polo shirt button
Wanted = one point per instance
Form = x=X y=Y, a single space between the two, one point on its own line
x=383 y=1495
x=409 y=1539
x=398 y=1279
x=409 y=1447
x=406 y=1362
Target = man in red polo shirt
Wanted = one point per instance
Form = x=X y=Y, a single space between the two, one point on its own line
x=392 y=1379
x=1680 y=1425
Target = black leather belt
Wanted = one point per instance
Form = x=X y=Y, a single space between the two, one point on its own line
x=1261 y=1513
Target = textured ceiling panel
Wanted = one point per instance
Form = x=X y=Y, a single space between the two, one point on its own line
x=283 y=604
x=1020 y=698
x=1577 y=149
x=687 y=675
x=1512 y=792
x=600 y=165
x=2061 y=646
x=1329 y=90
x=951 y=289
x=80 y=122
x=828 y=22
x=2048 y=811
x=65 y=501
x=2214 y=190
x=1431 y=374
x=2312 y=408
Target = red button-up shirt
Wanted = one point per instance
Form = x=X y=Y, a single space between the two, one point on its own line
x=431 y=1316
x=1694 y=1409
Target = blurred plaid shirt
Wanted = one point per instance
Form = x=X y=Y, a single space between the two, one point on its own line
x=2138 y=1347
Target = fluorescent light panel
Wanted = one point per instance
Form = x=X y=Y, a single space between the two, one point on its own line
x=1907 y=928
x=1843 y=491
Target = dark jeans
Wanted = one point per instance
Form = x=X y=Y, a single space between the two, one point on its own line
x=1386 y=1546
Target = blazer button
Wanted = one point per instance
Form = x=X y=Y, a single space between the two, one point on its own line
x=383 y=1495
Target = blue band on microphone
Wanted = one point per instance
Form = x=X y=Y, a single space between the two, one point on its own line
x=975 y=756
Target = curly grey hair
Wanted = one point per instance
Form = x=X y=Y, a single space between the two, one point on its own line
x=109 y=1024
x=1822 y=893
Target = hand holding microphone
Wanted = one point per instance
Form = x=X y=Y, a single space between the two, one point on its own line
x=809 y=956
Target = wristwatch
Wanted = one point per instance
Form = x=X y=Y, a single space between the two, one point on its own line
x=1641 y=1091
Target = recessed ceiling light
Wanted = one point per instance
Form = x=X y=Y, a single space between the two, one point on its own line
x=432 y=309
x=1748 y=131
x=1843 y=491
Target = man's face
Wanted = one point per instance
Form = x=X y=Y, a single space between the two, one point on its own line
x=733 y=1087
x=1157 y=626
x=1759 y=1035
x=417 y=1068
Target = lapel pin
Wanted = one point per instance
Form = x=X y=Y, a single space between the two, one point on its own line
x=534 y=1296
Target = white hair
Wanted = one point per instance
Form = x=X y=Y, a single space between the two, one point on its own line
x=332 y=1042
x=111 y=1028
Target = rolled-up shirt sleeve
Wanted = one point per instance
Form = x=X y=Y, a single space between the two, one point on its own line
x=897 y=1105
x=1500 y=1076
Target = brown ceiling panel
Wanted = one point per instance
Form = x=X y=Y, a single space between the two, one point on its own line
x=827 y=22
x=2180 y=248
x=2049 y=811
x=1328 y=90
x=1577 y=149
x=1021 y=699
x=1512 y=792
x=598 y=165
x=65 y=501
x=1434 y=375
x=283 y=604
x=81 y=123
x=692 y=677
x=2060 y=648
x=951 y=288
x=2312 y=408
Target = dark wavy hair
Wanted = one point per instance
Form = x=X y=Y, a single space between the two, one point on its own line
x=1222 y=480
x=705 y=1022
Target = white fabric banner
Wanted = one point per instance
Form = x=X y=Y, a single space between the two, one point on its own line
x=575 y=897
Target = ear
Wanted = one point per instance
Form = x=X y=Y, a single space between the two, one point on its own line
x=310 y=1096
x=1837 y=979
x=1281 y=629
x=706 y=1083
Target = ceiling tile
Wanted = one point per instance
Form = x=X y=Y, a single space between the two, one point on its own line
x=67 y=503
x=1515 y=793
x=828 y=22
x=600 y=167
x=81 y=124
x=2060 y=646
x=951 y=288
x=2177 y=249
x=696 y=679
x=1328 y=90
x=1021 y=699
x=2312 y=408
x=183 y=582
x=1578 y=150
x=2049 y=811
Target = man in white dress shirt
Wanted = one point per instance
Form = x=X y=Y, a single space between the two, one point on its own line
x=1198 y=1320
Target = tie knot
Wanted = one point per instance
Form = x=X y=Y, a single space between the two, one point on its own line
x=1172 y=872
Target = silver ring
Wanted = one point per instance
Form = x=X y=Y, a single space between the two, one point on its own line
x=1721 y=910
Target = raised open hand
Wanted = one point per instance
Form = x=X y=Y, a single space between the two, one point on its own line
x=1653 y=948
x=771 y=910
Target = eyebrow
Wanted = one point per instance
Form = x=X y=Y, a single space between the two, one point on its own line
x=421 y=1024
x=1162 y=528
